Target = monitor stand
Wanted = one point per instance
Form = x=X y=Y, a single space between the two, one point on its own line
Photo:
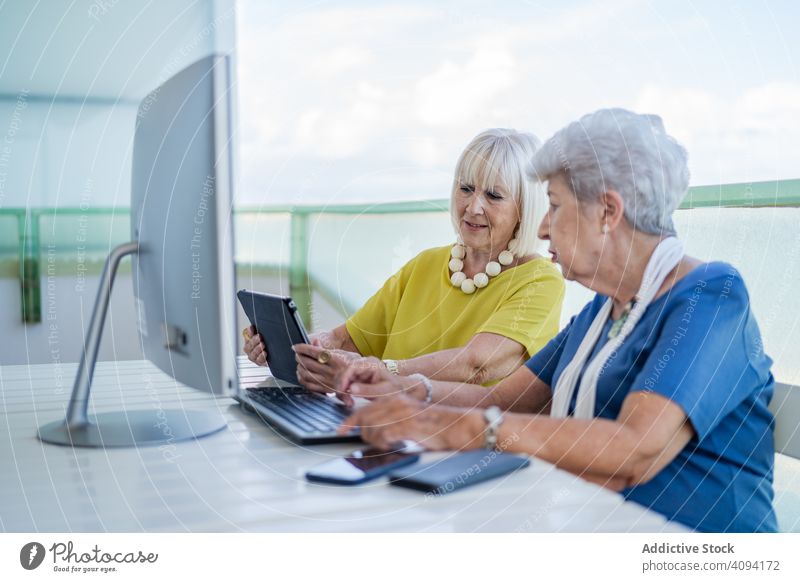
x=127 y=428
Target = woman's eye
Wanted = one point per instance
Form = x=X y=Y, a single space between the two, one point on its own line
x=466 y=189
x=493 y=195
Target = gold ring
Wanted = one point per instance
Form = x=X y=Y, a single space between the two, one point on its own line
x=324 y=357
x=244 y=335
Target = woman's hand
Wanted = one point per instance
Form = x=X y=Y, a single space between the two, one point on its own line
x=368 y=378
x=315 y=375
x=256 y=350
x=254 y=347
x=390 y=420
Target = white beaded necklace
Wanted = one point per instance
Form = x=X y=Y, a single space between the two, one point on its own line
x=493 y=268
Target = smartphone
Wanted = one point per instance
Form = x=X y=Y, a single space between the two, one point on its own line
x=361 y=466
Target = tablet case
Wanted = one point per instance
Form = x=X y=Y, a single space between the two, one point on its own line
x=457 y=471
x=278 y=322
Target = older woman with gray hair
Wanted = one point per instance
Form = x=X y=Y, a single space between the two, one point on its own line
x=659 y=387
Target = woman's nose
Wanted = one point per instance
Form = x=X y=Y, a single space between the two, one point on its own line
x=544 y=228
x=475 y=205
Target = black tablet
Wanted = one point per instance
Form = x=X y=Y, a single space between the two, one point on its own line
x=278 y=322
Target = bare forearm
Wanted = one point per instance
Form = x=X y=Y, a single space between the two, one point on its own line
x=509 y=396
x=446 y=365
x=458 y=394
x=613 y=483
x=337 y=339
x=601 y=450
x=462 y=365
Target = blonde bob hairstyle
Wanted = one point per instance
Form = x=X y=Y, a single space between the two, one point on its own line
x=502 y=156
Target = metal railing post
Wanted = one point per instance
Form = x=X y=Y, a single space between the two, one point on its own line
x=29 y=273
x=299 y=286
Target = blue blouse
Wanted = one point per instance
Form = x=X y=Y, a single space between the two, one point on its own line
x=699 y=346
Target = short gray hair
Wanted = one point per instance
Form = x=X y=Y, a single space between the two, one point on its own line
x=504 y=155
x=617 y=149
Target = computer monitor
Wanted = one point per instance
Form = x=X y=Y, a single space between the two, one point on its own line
x=181 y=216
x=183 y=262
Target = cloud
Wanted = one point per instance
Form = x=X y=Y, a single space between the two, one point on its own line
x=389 y=90
x=339 y=61
x=309 y=82
x=456 y=92
x=743 y=137
x=341 y=134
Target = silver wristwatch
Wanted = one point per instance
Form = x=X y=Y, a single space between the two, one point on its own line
x=494 y=418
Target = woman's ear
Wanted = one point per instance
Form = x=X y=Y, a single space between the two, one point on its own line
x=613 y=209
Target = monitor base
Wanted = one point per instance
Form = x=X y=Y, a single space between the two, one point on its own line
x=134 y=428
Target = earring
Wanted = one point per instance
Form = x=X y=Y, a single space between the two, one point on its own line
x=605 y=228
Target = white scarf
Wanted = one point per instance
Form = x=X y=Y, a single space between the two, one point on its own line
x=665 y=257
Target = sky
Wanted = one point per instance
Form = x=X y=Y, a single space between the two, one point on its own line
x=369 y=102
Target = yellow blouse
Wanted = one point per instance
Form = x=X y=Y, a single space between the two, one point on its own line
x=418 y=311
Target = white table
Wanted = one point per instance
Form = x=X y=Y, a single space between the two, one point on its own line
x=247 y=478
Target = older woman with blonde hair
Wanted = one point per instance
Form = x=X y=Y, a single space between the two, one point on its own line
x=473 y=311
x=659 y=387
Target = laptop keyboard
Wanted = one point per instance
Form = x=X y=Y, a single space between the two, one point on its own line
x=308 y=411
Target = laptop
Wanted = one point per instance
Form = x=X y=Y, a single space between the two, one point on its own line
x=275 y=394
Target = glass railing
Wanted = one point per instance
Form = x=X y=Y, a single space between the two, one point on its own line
x=345 y=252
